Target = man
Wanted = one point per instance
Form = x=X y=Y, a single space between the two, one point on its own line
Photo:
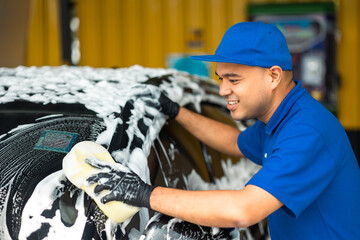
x=309 y=184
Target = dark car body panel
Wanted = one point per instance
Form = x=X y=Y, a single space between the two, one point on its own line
x=25 y=163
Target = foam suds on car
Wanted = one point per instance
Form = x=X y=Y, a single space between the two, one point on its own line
x=106 y=92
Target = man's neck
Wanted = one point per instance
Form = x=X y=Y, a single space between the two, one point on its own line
x=279 y=94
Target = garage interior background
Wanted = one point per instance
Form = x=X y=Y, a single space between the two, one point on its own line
x=155 y=33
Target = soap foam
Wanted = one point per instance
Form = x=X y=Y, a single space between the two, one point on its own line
x=105 y=91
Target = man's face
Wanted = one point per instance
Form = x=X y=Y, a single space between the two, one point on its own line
x=246 y=89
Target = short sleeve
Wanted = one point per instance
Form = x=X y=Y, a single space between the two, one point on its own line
x=250 y=142
x=299 y=168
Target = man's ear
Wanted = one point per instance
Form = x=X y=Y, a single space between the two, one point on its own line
x=276 y=74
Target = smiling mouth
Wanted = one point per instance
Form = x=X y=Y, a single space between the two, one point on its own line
x=233 y=102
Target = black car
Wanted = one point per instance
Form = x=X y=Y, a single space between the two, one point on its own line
x=45 y=111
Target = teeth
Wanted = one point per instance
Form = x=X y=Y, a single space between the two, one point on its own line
x=233 y=102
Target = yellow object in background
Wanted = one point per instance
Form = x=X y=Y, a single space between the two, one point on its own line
x=121 y=33
x=316 y=94
x=43 y=42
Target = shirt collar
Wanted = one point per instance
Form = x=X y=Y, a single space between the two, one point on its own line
x=284 y=107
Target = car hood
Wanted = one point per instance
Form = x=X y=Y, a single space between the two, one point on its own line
x=114 y=100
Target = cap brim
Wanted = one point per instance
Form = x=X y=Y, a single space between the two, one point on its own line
x=216 y=58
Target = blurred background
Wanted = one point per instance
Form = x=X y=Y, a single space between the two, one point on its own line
x=323 y=38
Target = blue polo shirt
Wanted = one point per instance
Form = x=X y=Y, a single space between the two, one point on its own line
x=308 y=164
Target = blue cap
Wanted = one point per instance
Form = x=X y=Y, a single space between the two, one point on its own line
x=253 y=44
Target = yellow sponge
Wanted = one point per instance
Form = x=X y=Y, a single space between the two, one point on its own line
x=77 y=171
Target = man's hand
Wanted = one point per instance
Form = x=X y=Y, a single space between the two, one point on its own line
x=168 y=107
x=124 y=186
x=163 y=104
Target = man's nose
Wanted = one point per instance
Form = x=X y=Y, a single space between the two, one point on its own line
x=224 y=88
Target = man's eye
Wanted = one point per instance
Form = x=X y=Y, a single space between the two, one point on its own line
x=233 y=80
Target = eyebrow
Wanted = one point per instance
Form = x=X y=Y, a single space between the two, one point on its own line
x=228 y=75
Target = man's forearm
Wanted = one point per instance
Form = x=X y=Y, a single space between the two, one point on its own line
x=217 y=208
x=206 y=208
x=217 y=135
